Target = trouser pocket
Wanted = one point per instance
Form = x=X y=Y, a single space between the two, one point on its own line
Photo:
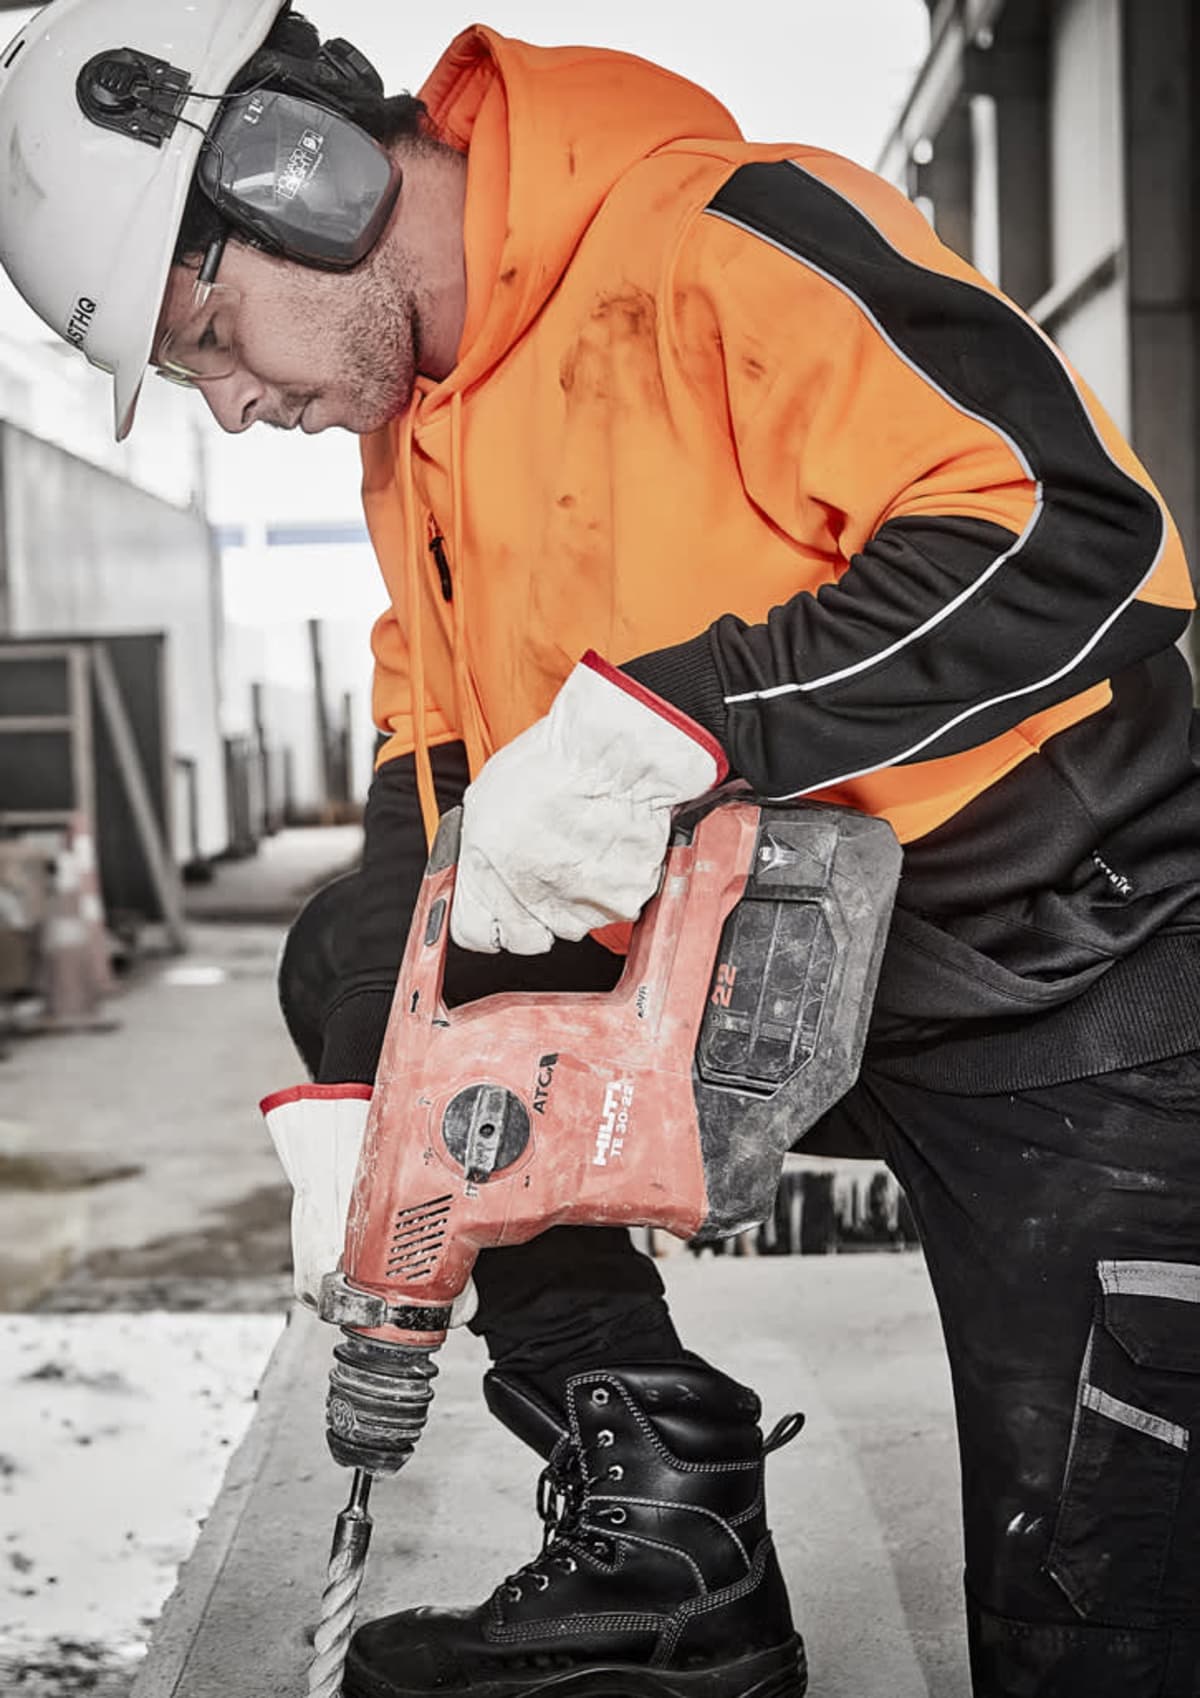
x=1126 y=1546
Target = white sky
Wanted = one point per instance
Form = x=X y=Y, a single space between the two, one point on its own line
x=831 y=72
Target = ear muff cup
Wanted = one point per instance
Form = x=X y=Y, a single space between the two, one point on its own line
x=298 y=178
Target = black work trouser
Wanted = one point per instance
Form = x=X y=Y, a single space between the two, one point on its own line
x=1061 y=1228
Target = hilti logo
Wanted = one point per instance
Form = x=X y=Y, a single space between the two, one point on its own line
x=545 y=1078
x=722 y=994
x=614 y=1122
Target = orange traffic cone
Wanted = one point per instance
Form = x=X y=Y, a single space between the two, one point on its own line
x=91 y=903
x=71 y=940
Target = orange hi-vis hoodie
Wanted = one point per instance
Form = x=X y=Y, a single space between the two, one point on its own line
x=733 y=414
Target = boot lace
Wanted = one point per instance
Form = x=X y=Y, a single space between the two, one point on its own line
x=562 y=1492
x=562 y=1504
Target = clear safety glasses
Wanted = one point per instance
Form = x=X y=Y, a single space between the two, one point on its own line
x=203 y=347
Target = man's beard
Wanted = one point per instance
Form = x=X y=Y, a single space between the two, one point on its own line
x=381 y=351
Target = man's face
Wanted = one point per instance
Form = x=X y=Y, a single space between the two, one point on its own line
x=312 y=349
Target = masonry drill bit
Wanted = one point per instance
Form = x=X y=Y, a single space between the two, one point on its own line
x=347 y=1561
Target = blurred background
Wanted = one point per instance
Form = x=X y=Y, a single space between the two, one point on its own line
x=185 y=735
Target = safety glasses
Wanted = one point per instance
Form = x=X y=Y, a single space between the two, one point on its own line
x=202 y=347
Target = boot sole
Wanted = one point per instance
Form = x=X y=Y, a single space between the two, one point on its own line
x=781 y=1672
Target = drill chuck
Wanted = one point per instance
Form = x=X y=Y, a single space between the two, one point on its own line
x=379 y=1397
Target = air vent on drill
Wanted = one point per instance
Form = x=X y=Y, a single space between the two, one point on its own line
x=417 y=1238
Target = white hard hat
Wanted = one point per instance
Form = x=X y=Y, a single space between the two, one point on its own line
x=89 y=216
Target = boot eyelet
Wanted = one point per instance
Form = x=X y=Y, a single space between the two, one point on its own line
x=513 y=1592
x=604 y=1438
x=617 y=1517
x=600 y=1394
x=541 y=1581
x=616 y=1472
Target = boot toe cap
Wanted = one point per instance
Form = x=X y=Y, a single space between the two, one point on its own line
x=410 y=1652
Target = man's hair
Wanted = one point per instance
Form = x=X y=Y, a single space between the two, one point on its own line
x=389 y=118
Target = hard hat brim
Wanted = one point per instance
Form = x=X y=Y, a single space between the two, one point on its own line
x=166 y=208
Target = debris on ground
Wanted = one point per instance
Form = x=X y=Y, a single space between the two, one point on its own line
x=64 y=1668
x=118 y=1429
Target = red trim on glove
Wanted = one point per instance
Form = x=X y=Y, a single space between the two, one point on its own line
x=659 y=705
x=316 y=1093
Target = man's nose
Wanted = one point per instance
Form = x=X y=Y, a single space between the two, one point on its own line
x=236 y=401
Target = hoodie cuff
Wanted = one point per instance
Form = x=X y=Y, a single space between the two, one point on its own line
x=686 y=676
x=353 y=1038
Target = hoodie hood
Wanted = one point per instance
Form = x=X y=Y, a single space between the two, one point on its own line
x=558 y=127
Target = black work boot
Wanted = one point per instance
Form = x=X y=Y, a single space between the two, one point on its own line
x=657 y=1577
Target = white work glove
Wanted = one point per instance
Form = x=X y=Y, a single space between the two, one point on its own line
x=566 y=827
x=317 y=1131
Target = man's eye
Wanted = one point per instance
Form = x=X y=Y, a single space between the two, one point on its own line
x=208 y=339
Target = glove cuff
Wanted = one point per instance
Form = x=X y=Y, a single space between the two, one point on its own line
x=317 y=1131
x=314 y=1094
x=664 y=709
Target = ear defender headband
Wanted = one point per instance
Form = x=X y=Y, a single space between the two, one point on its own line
x=284 y=162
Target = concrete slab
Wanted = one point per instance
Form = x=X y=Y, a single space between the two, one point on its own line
x=272 y=885
x=114 y=1436
x=169 y=1100
x=864 y=1503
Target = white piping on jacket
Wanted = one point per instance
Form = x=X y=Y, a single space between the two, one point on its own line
x=951 y=606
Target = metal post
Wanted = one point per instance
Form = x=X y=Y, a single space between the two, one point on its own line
x=162 y=872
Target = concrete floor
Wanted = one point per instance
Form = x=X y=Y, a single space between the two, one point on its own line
x=143 y=1265
x=863 y=1504
x=116 y=1432
x=136 y=1156
x=144 y=1256
x=270 y=885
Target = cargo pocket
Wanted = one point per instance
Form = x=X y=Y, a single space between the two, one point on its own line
x=1123 y=1550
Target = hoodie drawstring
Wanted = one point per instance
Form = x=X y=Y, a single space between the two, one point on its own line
x=470 y=716
x=469 y=712
x=416 y=653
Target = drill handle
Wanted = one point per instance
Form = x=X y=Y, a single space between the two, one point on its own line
x=424 y=965
x=703 y=876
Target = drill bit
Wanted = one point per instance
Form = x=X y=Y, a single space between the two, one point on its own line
x=347 y=1560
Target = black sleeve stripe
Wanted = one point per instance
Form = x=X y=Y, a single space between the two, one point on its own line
x=943 y=613
x=1165 y=625
x=1087 y=507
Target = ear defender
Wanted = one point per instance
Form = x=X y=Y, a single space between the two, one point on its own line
x=298 y=178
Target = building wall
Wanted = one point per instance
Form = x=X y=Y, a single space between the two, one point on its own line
x=49 y=390
x=1079 y=188
x=1161 y=51
x=85 y=553
x=1087 y=198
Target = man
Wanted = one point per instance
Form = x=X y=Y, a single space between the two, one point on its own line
x=840 y=521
